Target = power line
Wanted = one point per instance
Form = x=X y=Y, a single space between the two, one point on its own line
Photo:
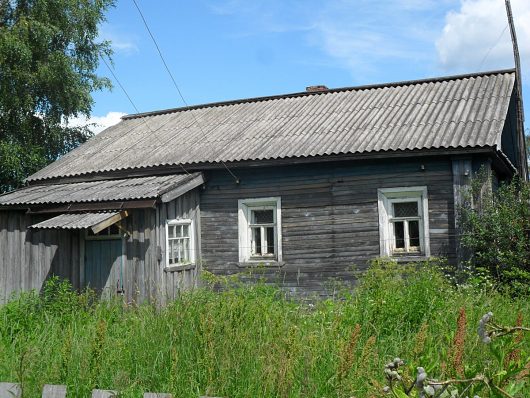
x=119 y=84
x=492 y=47
x=175 y=83
x=130 y=99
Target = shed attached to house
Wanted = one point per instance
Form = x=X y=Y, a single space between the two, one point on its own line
x=307 y=187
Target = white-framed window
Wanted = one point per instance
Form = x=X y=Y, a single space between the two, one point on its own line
x=403 y=221
x=260 y=232
x=180 y=244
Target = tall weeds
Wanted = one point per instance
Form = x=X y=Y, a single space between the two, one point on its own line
x=250 y=340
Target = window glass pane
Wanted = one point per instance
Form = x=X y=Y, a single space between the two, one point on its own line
x=185 y=231
x=406 y=209
x=256 y=241
x=178 y=253
x=414 y=233
x=114 y=230
x=170 y=254
x=185 y=250
x=262 y=217
x=399 y=234
x=270 y=240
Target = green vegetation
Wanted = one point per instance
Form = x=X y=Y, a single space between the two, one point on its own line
x=252 y=341
x=49 y=53
x=497 y=232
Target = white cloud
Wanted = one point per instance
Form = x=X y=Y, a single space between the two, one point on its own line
x=367 y=37
x=471 y=38
x=98 y=123
x=121 y=42
x=123 y=46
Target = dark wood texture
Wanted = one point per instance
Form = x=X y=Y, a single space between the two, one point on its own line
x=330 y=217
x=29 y=257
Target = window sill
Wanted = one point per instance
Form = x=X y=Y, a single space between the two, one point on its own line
x=178 y=268
x=261 y=263
x=410 y=258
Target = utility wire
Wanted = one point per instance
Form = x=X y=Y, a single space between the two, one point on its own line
x=119 y=83
x=131 y=101
x=175 y=83
x=492 y=47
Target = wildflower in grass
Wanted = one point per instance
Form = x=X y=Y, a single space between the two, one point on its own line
x=421 y=337
x=459 y=342
x=348 y=353
x=515 y=354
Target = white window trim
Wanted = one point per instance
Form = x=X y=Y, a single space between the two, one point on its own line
x=385 y=198
x=180 y=221
x=244 y=230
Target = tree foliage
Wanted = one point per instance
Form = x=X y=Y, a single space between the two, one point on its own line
x=497 y=231
x=49 y=53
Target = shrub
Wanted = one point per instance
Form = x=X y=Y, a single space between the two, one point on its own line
x=497 y=232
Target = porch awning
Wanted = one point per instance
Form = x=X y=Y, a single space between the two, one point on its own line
x=96 y=221
x=164 y=188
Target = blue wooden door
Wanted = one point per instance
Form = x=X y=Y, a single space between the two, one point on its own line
x=103 y=266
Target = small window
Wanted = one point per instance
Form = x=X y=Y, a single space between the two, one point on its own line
x=260 y=229
x=403 y=221
x=111 y=232
x=179 y=243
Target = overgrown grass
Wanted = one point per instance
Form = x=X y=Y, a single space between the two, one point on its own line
x=250 y=341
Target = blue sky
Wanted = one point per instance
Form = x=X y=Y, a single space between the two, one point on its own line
x=229 y=49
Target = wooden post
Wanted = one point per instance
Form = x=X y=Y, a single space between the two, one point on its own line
x=104 y=393
x=523 y=167
x=53 y=391
x=10 y=390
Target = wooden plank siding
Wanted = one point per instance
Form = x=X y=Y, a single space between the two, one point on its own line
x=329 y=216
x=144 y=272
x=28 y=257
x=170 y=283
x=330 y=228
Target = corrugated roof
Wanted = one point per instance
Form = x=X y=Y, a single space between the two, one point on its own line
x=74 y=221
x=453 y=112
x=96 y=191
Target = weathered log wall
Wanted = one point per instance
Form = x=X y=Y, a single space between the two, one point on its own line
x=329 y=216
x=28 y=257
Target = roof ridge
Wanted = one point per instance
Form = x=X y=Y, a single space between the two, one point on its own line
x=306 y=93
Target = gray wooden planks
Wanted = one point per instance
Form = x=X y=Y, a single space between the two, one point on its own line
x=104 y=393
x=53 y=391
x=10 y=390
x=157 y=395
x=329 y=216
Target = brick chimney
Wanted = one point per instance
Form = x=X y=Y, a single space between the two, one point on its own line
x=315 y=89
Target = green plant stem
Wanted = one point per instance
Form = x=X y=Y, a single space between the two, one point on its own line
x=502 y=391
x=481 y=378
x=505 y=330
x=394 y=393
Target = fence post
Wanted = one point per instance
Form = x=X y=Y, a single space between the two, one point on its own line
x=53 y=391
x=104 y=393
x=10 y=390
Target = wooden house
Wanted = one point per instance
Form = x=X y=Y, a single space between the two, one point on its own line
x=307 y=187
